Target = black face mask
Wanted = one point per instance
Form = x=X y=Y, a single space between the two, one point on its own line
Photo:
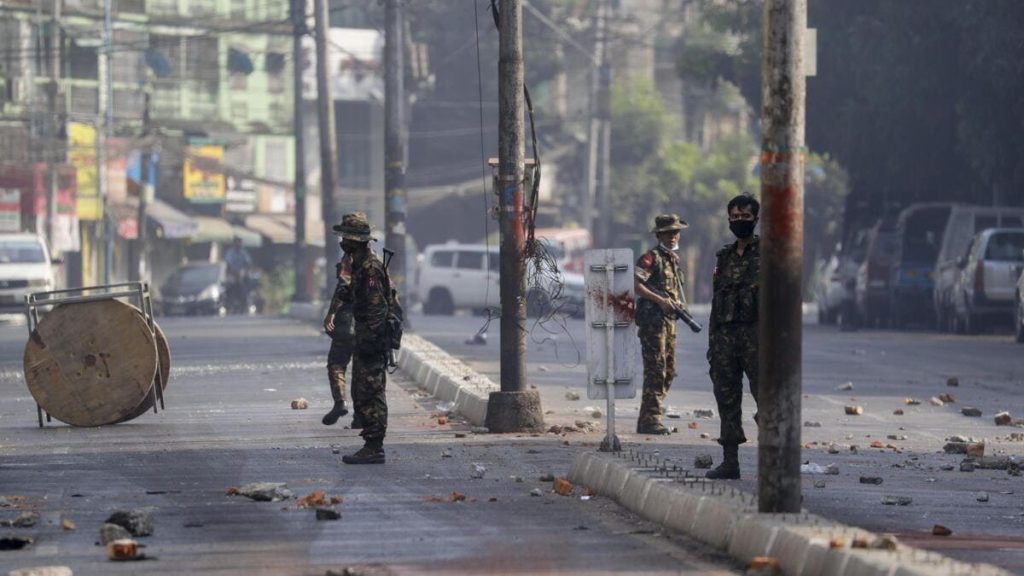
x=742 y=228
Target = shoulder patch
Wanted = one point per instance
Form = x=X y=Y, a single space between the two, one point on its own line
x=646 y=261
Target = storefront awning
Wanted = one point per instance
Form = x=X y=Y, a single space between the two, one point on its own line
x=220 y=230
x=280 y=229
x=163 y=220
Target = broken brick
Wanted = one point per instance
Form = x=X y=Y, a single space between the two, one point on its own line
x=125 y=549
x=947 y=398
x=765 y=565
x=971 y=412
x=940 y=530
x=693 y=425
x=1003 y=419
x=976 y=450
x=563 y=487
x=878 y=444
x=300 y=404
x=66 y=524
x=442 y=420
x=898 y=412
x=854 y=410
x=837 y=543
x=457 y=497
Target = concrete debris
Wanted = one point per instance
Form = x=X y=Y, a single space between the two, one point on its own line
x=884 y=542
x=896 y=437
x=911 y=402
x=836 y=543
x=673 y=416
x=693 y=425
x=66 y=524
x=317 y=498
x=952 y=381
x=477 y=471
x=845 y=387
x=701 y=413
x=870 y=480
x=137 y=522
x=327 y=514
x=563 y=487
x=703 y=461
x=947 y=398
x=833 y=449
x=705 y=435
x=976 y=450
x=555 y=429
x=536 y=492
x=994 y=462
x=1003 y=419
x=1016 y=437
x=964 y=439
x=810 y=424
x=1013 y=469
x=764 y=566
x=596 y=413
x=14 y=542
x=982 y=497
x=126 y=549
x=898 y=412
x=947 y=467
x=572 y=395
x=940 y=530
x=955 y=448
x=516 y=479
x=878 y=444
x=897 y=500
x=460 y=434
x=300 y=404
x=585 y=426
x=457 y=497
x=967 y=466
x=937 y=401
x=549 y=477
x=854 y=410
x=819 y=483
x=24 y=520
x=811 y=468
x=442 y=420
x=111 y=532
x=263 y=491
x=446 y=454
x=971 y=412
x=42 y=571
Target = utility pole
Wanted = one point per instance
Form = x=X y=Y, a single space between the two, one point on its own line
x=600 y=135
x=105 y=127
x=301 y=294
x=55 y=157
x=782 y=226
x=394 y=147
x=514 y=408
x=146 y=190
x=328 y=143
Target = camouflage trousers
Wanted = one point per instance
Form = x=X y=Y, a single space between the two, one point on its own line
x=369 y=397
x=342 y=344
x=732 y=352
x=658 y=349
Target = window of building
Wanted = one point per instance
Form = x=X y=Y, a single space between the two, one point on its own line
x=83 y=63
x=201 y=59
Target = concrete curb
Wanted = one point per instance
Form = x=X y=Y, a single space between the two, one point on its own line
x=433 y=369
x=727 y=519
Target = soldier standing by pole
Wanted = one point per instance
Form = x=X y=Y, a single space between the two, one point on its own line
x=658 y=284
x=732 y=335
x=338 y=325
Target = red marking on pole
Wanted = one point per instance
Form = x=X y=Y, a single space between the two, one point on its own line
x=622 y=303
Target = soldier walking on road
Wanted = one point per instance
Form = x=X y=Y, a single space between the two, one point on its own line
x=369 y=311
x=659 y=288
x=732 y=336
x=338 y=324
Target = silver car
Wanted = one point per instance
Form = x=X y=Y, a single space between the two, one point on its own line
x=988 y=282
x=1019 y=309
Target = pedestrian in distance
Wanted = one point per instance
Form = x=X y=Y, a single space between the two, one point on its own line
x=732 y=334
x=338 y=324
x=659 y=285
x=369 y=300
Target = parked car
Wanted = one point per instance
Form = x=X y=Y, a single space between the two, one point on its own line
x=828 y=290
x=986 y=288
x=456 y=276
x=193 y=289
x=1019 y=309
x=872 y=285
x=919 y=231
x=964 y=223
x=25 y=266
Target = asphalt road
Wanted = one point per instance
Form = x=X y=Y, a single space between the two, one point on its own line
x=228 y=422
x=885 y=368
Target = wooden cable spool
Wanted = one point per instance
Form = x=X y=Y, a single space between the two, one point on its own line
x=91 y=363
x=163 y=353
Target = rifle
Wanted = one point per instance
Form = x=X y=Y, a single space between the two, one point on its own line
x=680 y=313
x=391 y=328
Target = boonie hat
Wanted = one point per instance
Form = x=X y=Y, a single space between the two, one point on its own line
x=668 y=223
x=354 y=226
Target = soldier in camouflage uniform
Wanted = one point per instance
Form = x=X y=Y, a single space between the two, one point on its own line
x=659 y=289
x=369 y=311
x=338 y=325
x=732 y=335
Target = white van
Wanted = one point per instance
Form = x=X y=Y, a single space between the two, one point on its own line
x=25 y=266
x=457 y=276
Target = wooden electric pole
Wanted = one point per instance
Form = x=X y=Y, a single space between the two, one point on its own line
x=514 y=408
x=328 y=143
x=394 y=147
x=298 y=13
x=53 y=143
x=782 y=226
x=601 y=148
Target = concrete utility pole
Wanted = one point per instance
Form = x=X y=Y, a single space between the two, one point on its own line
x=146 y=189
x=105 y=128
x=782 y=228
x=328 y=143
x=394 y=147
x=298 y=13
x=514 y=408
x=55 y=158
x=602 y=154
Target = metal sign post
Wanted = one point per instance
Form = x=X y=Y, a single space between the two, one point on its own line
x=611 y=337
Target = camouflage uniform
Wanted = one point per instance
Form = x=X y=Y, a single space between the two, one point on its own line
x=732 y=336
x=342 y=337
x=369 y=368
x=658 y=270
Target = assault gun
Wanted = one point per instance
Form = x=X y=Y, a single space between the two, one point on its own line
x=680 y=313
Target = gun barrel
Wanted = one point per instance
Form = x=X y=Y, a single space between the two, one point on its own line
x=689 y=320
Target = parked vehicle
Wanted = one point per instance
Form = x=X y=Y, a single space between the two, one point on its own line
x=964 y=223
x=567 y=245
x=828 y=290
x=986 y=288
x=195 y=289
x=1019 y=309
x=25 y=266
x=456 y=276
x=919 y=233
x=872 y=285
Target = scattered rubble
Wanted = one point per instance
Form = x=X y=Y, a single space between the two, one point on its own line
x=1003 y=419
x=947 y=398
x=572 y=395
x=563 y=487
x=955 y=448
x=810 y=424
x=896 y=437
x=898 y=412
x=457 y=497
x=967 y=466
x=477 y=471
x=126 y=549
x=536 y=492
x=976 y=449
x=897 y=500
x=811 y=468
x=318 y=498
x=549 y=477
x=971 y=412
x=300 y=404
x=940 y=530
x=911 y=402
x=819 y=483
x=442 y=420
x=937 y=401
x=845 y=387
x=14 y=542
x=136 y=522
x=703 y=461
x=111 y=532
x=705 y=436
x=833 y=449
x=764 y=565
x=694 y=426
x=700 y=413
x=263 y=491
x=870 y=480
x=952 y=381
x=854 y=410
x=982 y=497
x=67 y=524
x=596 y=413
x=24 y=520
x=327 y=514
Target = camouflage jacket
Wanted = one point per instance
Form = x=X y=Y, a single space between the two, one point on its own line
x=658 y=270
x=341 y=302
x=369 y=305
x=736 y=282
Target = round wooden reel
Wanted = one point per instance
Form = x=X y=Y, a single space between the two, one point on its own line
x=91 y=363
x=163 y=352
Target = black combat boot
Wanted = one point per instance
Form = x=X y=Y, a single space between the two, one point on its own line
x=729 y=469
x=371 y=453
x=338 y=411
x=655 y=428
x=357 y=421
